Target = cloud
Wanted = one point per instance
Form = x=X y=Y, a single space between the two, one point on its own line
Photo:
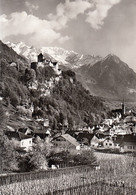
x=46 y=31
x=95 y=12
x=68 y=11
x=31 y=7
x=64 y=39
x=96 y=16
x=41 y=31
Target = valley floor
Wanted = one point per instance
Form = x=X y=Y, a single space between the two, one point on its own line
x=116 y=175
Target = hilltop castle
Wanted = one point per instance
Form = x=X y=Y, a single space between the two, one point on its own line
x=42 y=61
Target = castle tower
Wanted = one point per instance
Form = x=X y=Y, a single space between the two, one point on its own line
x=40 y=57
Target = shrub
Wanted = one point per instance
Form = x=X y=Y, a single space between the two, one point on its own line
x=85 y=157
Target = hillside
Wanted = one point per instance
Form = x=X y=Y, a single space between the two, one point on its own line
x=9 y=55
x=29 y=94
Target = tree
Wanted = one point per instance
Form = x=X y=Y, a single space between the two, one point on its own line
x=7 y=150
x=86 y=157
x=2 y=123
x=41 y=150
x=70 y=123
x=37 y=158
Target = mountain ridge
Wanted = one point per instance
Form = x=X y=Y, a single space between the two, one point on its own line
x=63 y=56
x=109 y=75
x=105 y=77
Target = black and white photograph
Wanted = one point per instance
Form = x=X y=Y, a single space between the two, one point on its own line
x=67 y=97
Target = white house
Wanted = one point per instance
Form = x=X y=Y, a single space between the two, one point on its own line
x=109 y=143
x=20 y=140
x=26 y=143
x=95 y=142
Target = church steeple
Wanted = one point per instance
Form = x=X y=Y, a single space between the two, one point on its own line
x=123 y=107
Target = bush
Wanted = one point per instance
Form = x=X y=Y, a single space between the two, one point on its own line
x=85 y=157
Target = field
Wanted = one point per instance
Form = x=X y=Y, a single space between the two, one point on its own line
x=117 y=175
x=118 y=166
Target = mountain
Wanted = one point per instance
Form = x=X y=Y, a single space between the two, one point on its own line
x=110 y=77
x=67 y=59
x=105 y=77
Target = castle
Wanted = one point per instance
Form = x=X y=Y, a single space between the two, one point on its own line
x=42 y=61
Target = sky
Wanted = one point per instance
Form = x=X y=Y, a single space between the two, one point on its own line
x=96 y=27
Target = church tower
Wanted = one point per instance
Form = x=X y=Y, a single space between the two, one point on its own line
x=123 y=108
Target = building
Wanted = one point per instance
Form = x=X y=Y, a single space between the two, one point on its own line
x=25 y=131
x=20 y=140
x=109 y=143
x=128 y=143
x=85 y=137
x=94 y=142
x=40 y=57
x=34 y=65
x=66 y=142
x=40 y=133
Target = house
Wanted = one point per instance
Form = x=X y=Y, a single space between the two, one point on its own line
x=94 y=142
x=124 y=143
x=128 y=119
x=128 y=143
x=84 y=137
x=40 y=133
x=46 y=123
x=66 y=141
x=101 y=136
x=109 y=143
x=108 y=122
x=73 y=133
x=25 y=131
x=20 y=140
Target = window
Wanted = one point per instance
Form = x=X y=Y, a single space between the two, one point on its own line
x=30 y=142
x=22 y=143
x=130 y=147
x=110 y=144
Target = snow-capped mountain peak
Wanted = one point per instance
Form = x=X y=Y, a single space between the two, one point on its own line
x=67 y=58
x=57 y=53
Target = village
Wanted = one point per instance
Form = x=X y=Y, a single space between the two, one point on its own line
x=41 y=149
x=67 y=97
x=116 y=134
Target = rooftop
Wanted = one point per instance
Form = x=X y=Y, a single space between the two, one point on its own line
x=71 y=139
